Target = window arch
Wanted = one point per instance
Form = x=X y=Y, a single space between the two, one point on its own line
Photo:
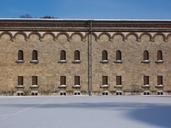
x=63 y=55
x=76 y=55
x=20 y=55
x=34 y=55
x=104 y=55
x=118 y=55
x=159 y=55
x=146 y=55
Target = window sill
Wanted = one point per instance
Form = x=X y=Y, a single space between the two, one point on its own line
x=118 y=86
x=76 y=61
x=34 y=86
x=19 y=86
x=62 y=61
x=104 y=61
x=146 y=86
x=104 y=86
x=34 y=61
x=159 y=86
x=118 y=61
x=76 y=86
x=62 y=86
x=19 y=61
x=145 y=61
x=159 y=61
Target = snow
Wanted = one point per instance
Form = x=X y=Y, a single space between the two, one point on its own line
x=85 y=112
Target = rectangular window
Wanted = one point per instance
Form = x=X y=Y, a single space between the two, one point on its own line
x=159 y=80
x=77 y=80
x=118 y=80
x=62 y=80
x=20 y=80
x=146 y=80
x=104 y=80
x=34 y=80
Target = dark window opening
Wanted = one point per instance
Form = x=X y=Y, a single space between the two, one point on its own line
x=34 y=55
x=159 y=80
x=118 y=55
x=20 y=80
x=146 y=55
x=62 y=80
x=77 y=55
x=34 y=80
x=20 y=55
x=159 y=55
x=104 y=80
x=77 y=80
x=104 y=55
x=146 y=80
x=118 y=80
x=63 y=55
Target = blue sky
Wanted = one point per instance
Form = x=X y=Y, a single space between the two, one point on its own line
x=99 y=9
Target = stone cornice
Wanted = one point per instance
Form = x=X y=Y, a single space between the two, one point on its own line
x=84 y=25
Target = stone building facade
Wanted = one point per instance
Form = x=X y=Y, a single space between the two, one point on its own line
x=85 y=57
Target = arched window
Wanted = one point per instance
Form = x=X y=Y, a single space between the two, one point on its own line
x=20 y=55
x=104 y=55
x=146 y=55
x=118 y=55
x=63 y=55
x=34 y=55
x=159 y=55
x=77 y=55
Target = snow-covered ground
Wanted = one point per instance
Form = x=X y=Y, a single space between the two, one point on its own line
x=85 y=112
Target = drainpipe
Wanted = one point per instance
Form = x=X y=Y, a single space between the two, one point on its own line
x=90 y=58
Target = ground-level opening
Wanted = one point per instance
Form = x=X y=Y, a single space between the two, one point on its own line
x=160 y=93
x=105 y=93
x=146 y=93
x=62 y=93
x=77 y=93
x=119 y=93
x=34 y=93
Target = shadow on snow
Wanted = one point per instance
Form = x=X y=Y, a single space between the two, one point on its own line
x=155 y=114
